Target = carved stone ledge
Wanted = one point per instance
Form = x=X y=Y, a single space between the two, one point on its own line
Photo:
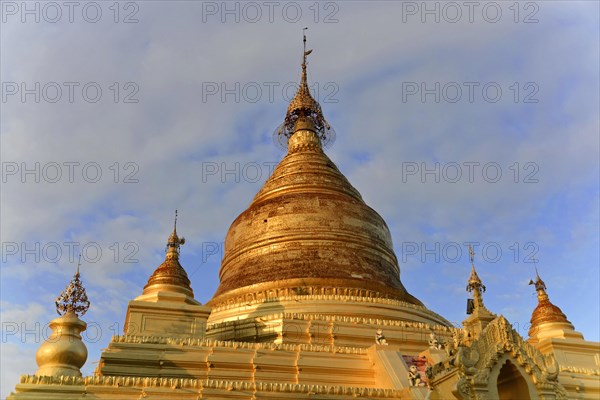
x=577 y=370
x=197 y=384
x=197 y=342
x=342 y=318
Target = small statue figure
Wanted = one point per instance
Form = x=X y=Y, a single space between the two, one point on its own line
x=458 y=338
x=434 y=342
x=414 y=376
x=380 y=338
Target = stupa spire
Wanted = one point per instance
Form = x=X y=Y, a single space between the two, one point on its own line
x=540 y=287
x=307 y=231
x=304 y=112
x=170 y=275
x=479 y=316
x=174 y=242
x=63 y=353
x=545 y=312
x=475 y=284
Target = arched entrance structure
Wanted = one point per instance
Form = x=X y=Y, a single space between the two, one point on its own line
x=499 y=364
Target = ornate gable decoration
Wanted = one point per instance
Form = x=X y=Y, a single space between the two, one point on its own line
x=474 y=363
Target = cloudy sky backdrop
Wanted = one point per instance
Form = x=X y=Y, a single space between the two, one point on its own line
x=456 y=124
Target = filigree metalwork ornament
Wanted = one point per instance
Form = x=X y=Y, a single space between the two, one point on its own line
x=474 y=284
x=304 y=105
x=73 y=298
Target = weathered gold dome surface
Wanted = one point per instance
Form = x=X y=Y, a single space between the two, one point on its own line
x=308 y=231
x=545 y=312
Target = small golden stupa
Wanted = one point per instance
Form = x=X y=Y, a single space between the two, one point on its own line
x=63 y=353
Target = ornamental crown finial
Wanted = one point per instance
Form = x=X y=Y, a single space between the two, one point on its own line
x=474 y=283
x=174 y=241
x=471 y=254
x=73 y=298
x=304 y=105
x=540 y=286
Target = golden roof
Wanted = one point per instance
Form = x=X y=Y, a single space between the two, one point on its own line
x=170 y=275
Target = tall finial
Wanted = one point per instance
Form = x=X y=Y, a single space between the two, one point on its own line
x=74 y=298
x=175 y=223
x=305 y=54
x=78 y=264
x=472 y=255
x=174 y=241
x=474 y=284
x=304 y=40
x=304 y=109
x=540 y=286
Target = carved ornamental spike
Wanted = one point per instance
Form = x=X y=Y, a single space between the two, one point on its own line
x=174 y=242
x=474 y=284
x=304 y=106
x=73 y=298
x=540 y=286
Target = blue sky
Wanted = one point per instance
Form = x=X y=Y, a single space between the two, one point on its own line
x=182 y=143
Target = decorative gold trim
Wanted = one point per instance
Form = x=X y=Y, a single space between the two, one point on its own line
x=202 y=342
x=343 y=318
x=186 y=383
x=73 y=298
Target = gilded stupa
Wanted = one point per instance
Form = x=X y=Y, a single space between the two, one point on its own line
x=311 y=306
x=308 y=231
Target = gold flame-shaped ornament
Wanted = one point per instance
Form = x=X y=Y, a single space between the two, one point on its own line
x=74 y=298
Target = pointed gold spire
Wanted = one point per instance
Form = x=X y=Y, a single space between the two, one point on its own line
x=170 y=275
x=304 y=112
x=475 y=284
x=545 y=312
x=174 y=242
x=540 y=286
x=479 y=316
x=73 y=298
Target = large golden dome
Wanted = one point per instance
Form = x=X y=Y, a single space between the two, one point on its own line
x=308 y=231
